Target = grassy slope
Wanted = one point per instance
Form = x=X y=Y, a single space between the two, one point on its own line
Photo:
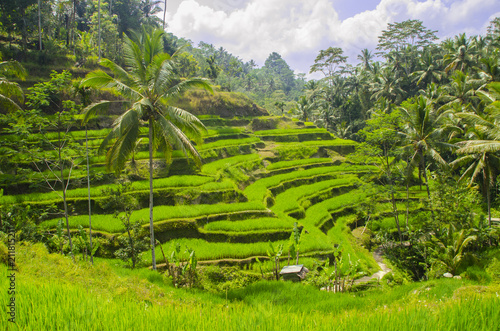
x=55 y=294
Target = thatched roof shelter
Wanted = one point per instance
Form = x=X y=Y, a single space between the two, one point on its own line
x=295 y=273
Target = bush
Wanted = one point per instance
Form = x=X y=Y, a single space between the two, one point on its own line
x=477 y=274
x=396 y=277
x=493 y=270
x=219 y=279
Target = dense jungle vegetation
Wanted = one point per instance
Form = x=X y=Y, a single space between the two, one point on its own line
x=150 y=183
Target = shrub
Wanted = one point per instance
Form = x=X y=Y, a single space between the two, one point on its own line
x=493 y=270
x=220 y=279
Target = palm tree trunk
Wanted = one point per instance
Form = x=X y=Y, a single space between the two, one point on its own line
x=408 y=192
x=99 y=28
x=39 y=26
x=88 y=191
x=424 y=170
x=164 y=14
x=488 y=199
x=151 y=229
x=64 y=194
x=393 y=200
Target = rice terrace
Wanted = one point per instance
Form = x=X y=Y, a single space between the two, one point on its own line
x=147 y=183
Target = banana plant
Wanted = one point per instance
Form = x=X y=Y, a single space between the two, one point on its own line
x=274 y=255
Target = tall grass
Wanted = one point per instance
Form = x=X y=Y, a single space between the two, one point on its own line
x=46 y=302
x=221 y=250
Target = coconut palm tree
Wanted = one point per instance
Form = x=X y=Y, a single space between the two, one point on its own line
x=480 y=166
x=149 y=83
x=422 y=133
x=484 y=142
x=304 y=109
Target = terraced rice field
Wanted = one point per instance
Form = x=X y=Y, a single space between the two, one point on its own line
x=249 y=201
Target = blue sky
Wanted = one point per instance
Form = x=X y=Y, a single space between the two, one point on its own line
x=299 y=29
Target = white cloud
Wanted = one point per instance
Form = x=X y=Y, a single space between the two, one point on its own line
x=296 y=29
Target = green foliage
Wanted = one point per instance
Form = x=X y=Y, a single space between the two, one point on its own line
x=221 y=279
x=493 y=270
x=271 y=305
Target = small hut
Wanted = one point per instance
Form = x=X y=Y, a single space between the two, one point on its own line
x=295 y=273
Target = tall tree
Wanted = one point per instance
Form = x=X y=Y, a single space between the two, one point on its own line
x=329 y=62
x=150 y=83
x=382 y=143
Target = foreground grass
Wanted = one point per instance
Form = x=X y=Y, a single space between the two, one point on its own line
x=53 y=293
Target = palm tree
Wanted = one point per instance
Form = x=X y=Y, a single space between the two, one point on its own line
x=366 y=58
x=484 y=143
x=461 y=54
x=431 y=71
x=388 y=86
x=303 y=109
x=150 y=84
x=422 y=133
x=164 y=13
x=8 y=89
x=483 y=164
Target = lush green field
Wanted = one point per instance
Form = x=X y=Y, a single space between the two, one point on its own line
x=265 y=223
x=296 y=163
x=257 y=190
x=97 y=191
x=110 y=224
x=56 y=294
x=289 y=200
x=277 y=132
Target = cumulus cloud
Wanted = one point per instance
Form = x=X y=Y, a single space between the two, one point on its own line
x=297 y=29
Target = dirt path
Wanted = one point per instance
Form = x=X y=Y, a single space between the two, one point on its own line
x=379 y=274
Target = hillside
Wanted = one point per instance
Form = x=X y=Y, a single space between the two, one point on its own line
x=55 y=293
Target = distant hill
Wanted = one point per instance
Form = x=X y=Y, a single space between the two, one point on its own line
x=224 y=104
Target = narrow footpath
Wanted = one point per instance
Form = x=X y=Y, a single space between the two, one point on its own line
x=377 y=255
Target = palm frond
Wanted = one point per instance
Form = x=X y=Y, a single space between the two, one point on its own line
x=185 y=121
x=12 y=68
x=11 y=89
x=128 y=132
x=171 y=136
x=8 y=104
x=94 y=109
x=178 y=89
x=479 y=146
